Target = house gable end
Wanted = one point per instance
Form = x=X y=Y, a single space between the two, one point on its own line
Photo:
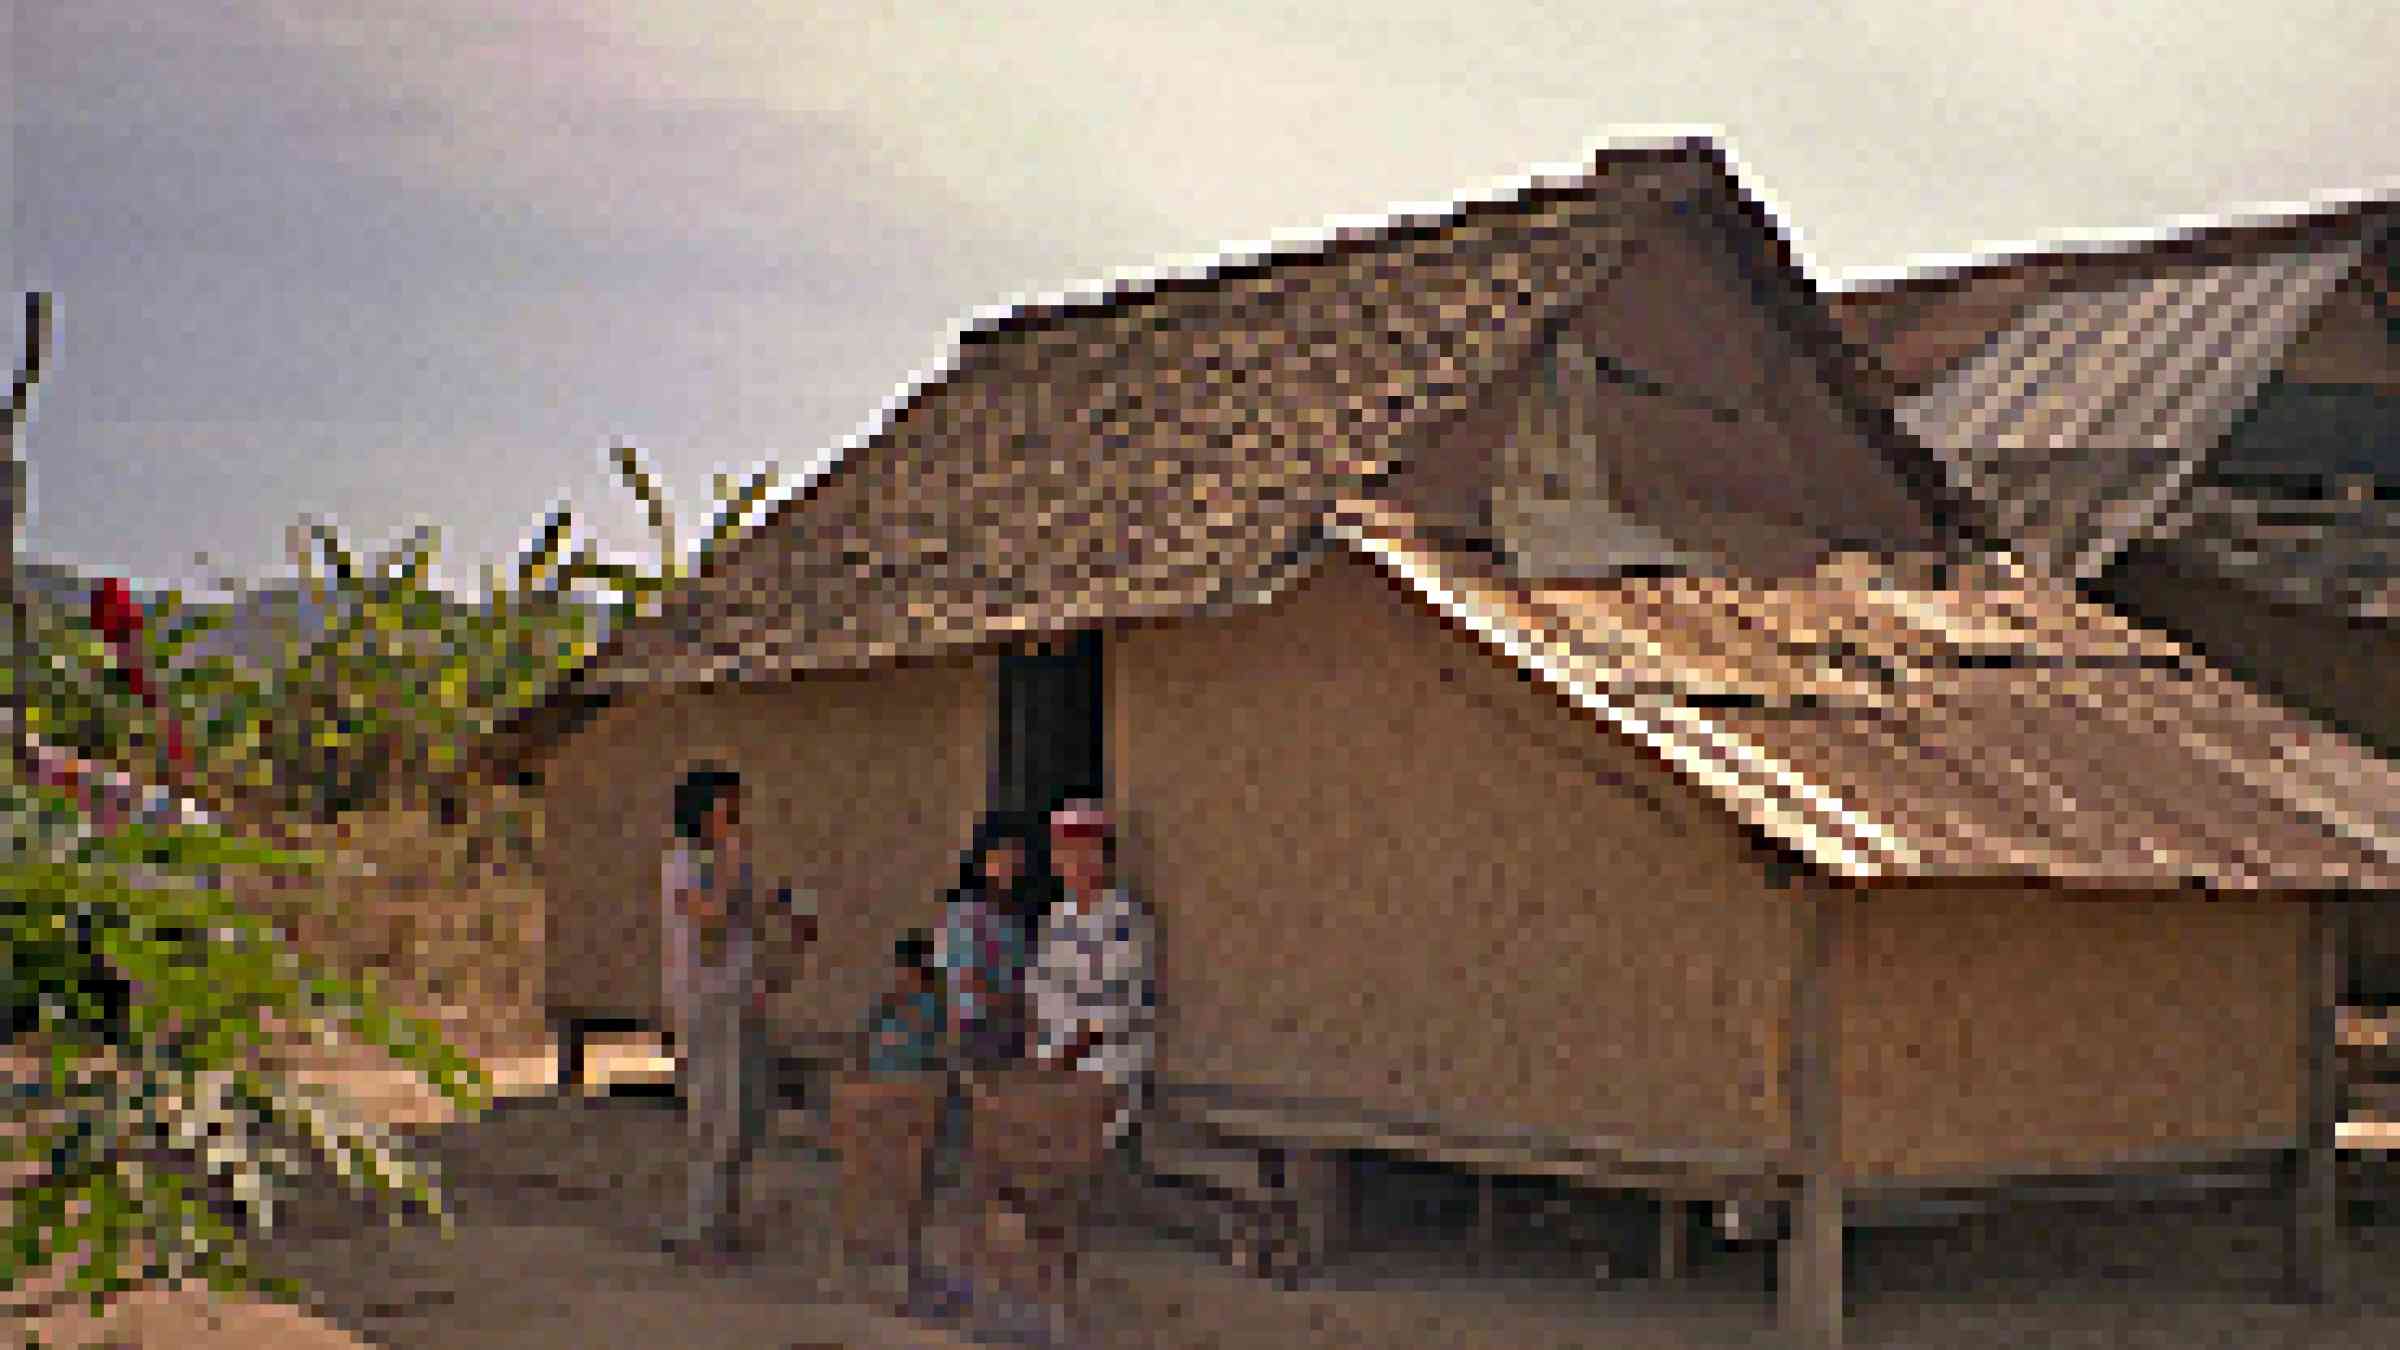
x=1676 y=422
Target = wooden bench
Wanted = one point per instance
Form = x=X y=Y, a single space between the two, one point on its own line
x=1282 y=1170
x=571 y=1028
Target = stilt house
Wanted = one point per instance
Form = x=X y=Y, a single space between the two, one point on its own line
x=1549 y=716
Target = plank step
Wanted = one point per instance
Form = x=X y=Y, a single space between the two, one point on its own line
x=1237 y=1171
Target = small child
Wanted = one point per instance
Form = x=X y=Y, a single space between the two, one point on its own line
x=904 y=1031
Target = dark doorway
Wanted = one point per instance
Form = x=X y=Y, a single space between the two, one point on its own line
x=1049 y=742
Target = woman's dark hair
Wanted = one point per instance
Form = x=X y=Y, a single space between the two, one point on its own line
x=995 y=831
x=1029 y=898
x=697 y=795
x=914 y=950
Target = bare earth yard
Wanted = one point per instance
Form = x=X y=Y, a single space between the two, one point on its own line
x=556 y=1197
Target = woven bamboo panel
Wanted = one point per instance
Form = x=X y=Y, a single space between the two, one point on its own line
x=1764 y=490
x=1039 y=1134
x=883 y=1129
x=1987 y=1030
x=860 y=790
x=1387 y=872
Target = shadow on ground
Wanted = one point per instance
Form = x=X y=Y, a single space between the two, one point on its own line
x=556 y=1199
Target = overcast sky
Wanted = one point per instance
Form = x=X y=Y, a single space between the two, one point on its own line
x=427 y=268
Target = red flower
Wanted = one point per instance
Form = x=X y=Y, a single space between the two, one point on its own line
x=118 y=619
x=114 y=614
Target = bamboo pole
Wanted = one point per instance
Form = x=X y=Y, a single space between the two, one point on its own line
x=12 y=508
x=1811 y=1286
x=1674 y=1237
x=2315 y=1215
x=1487 y=1220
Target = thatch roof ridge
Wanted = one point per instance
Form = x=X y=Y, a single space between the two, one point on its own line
x=1279 y=382
x=1129 y=291
x=1536 y=249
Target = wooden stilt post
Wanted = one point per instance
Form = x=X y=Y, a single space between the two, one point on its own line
x=2315 y=1216
x=1811 y=1287
x=1487 y=1220
x=1813 y=1278
x=1674 y=1237
x=569 y=1038
x=1318 y=1182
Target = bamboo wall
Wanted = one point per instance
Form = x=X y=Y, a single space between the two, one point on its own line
x=860 y=787
x=1387 y=871
x=1982 y=1030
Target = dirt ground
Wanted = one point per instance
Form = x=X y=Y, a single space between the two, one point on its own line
x=556 y=1197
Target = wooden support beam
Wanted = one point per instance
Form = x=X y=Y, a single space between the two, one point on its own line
x=1318 y=1183
x=1278 y=1121
x=1487 y=1220
x=1674 y=1237
x=1811 y=1282
x=2315 y=1216
x=568 y=1037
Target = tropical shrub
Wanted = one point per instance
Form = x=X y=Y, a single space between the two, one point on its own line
x=144 y=1003
x=381 y=698
x=142 y=999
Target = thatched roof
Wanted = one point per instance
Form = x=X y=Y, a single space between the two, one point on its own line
x=1172 y=447
x=1160 y=451
x=1189 y=446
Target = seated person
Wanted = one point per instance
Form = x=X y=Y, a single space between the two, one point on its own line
x=904 y=1030
x=988 y=920
x=1093 y=988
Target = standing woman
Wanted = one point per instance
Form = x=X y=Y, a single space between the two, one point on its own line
x=711 y=942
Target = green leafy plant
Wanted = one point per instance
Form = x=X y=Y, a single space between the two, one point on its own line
x=387 y=700
x=384 y=702
x=147 y=1011
x=162 y=1133
x=381 y=699
x=159 y=1137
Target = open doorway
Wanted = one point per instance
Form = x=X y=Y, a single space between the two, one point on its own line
x=1049 y=739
